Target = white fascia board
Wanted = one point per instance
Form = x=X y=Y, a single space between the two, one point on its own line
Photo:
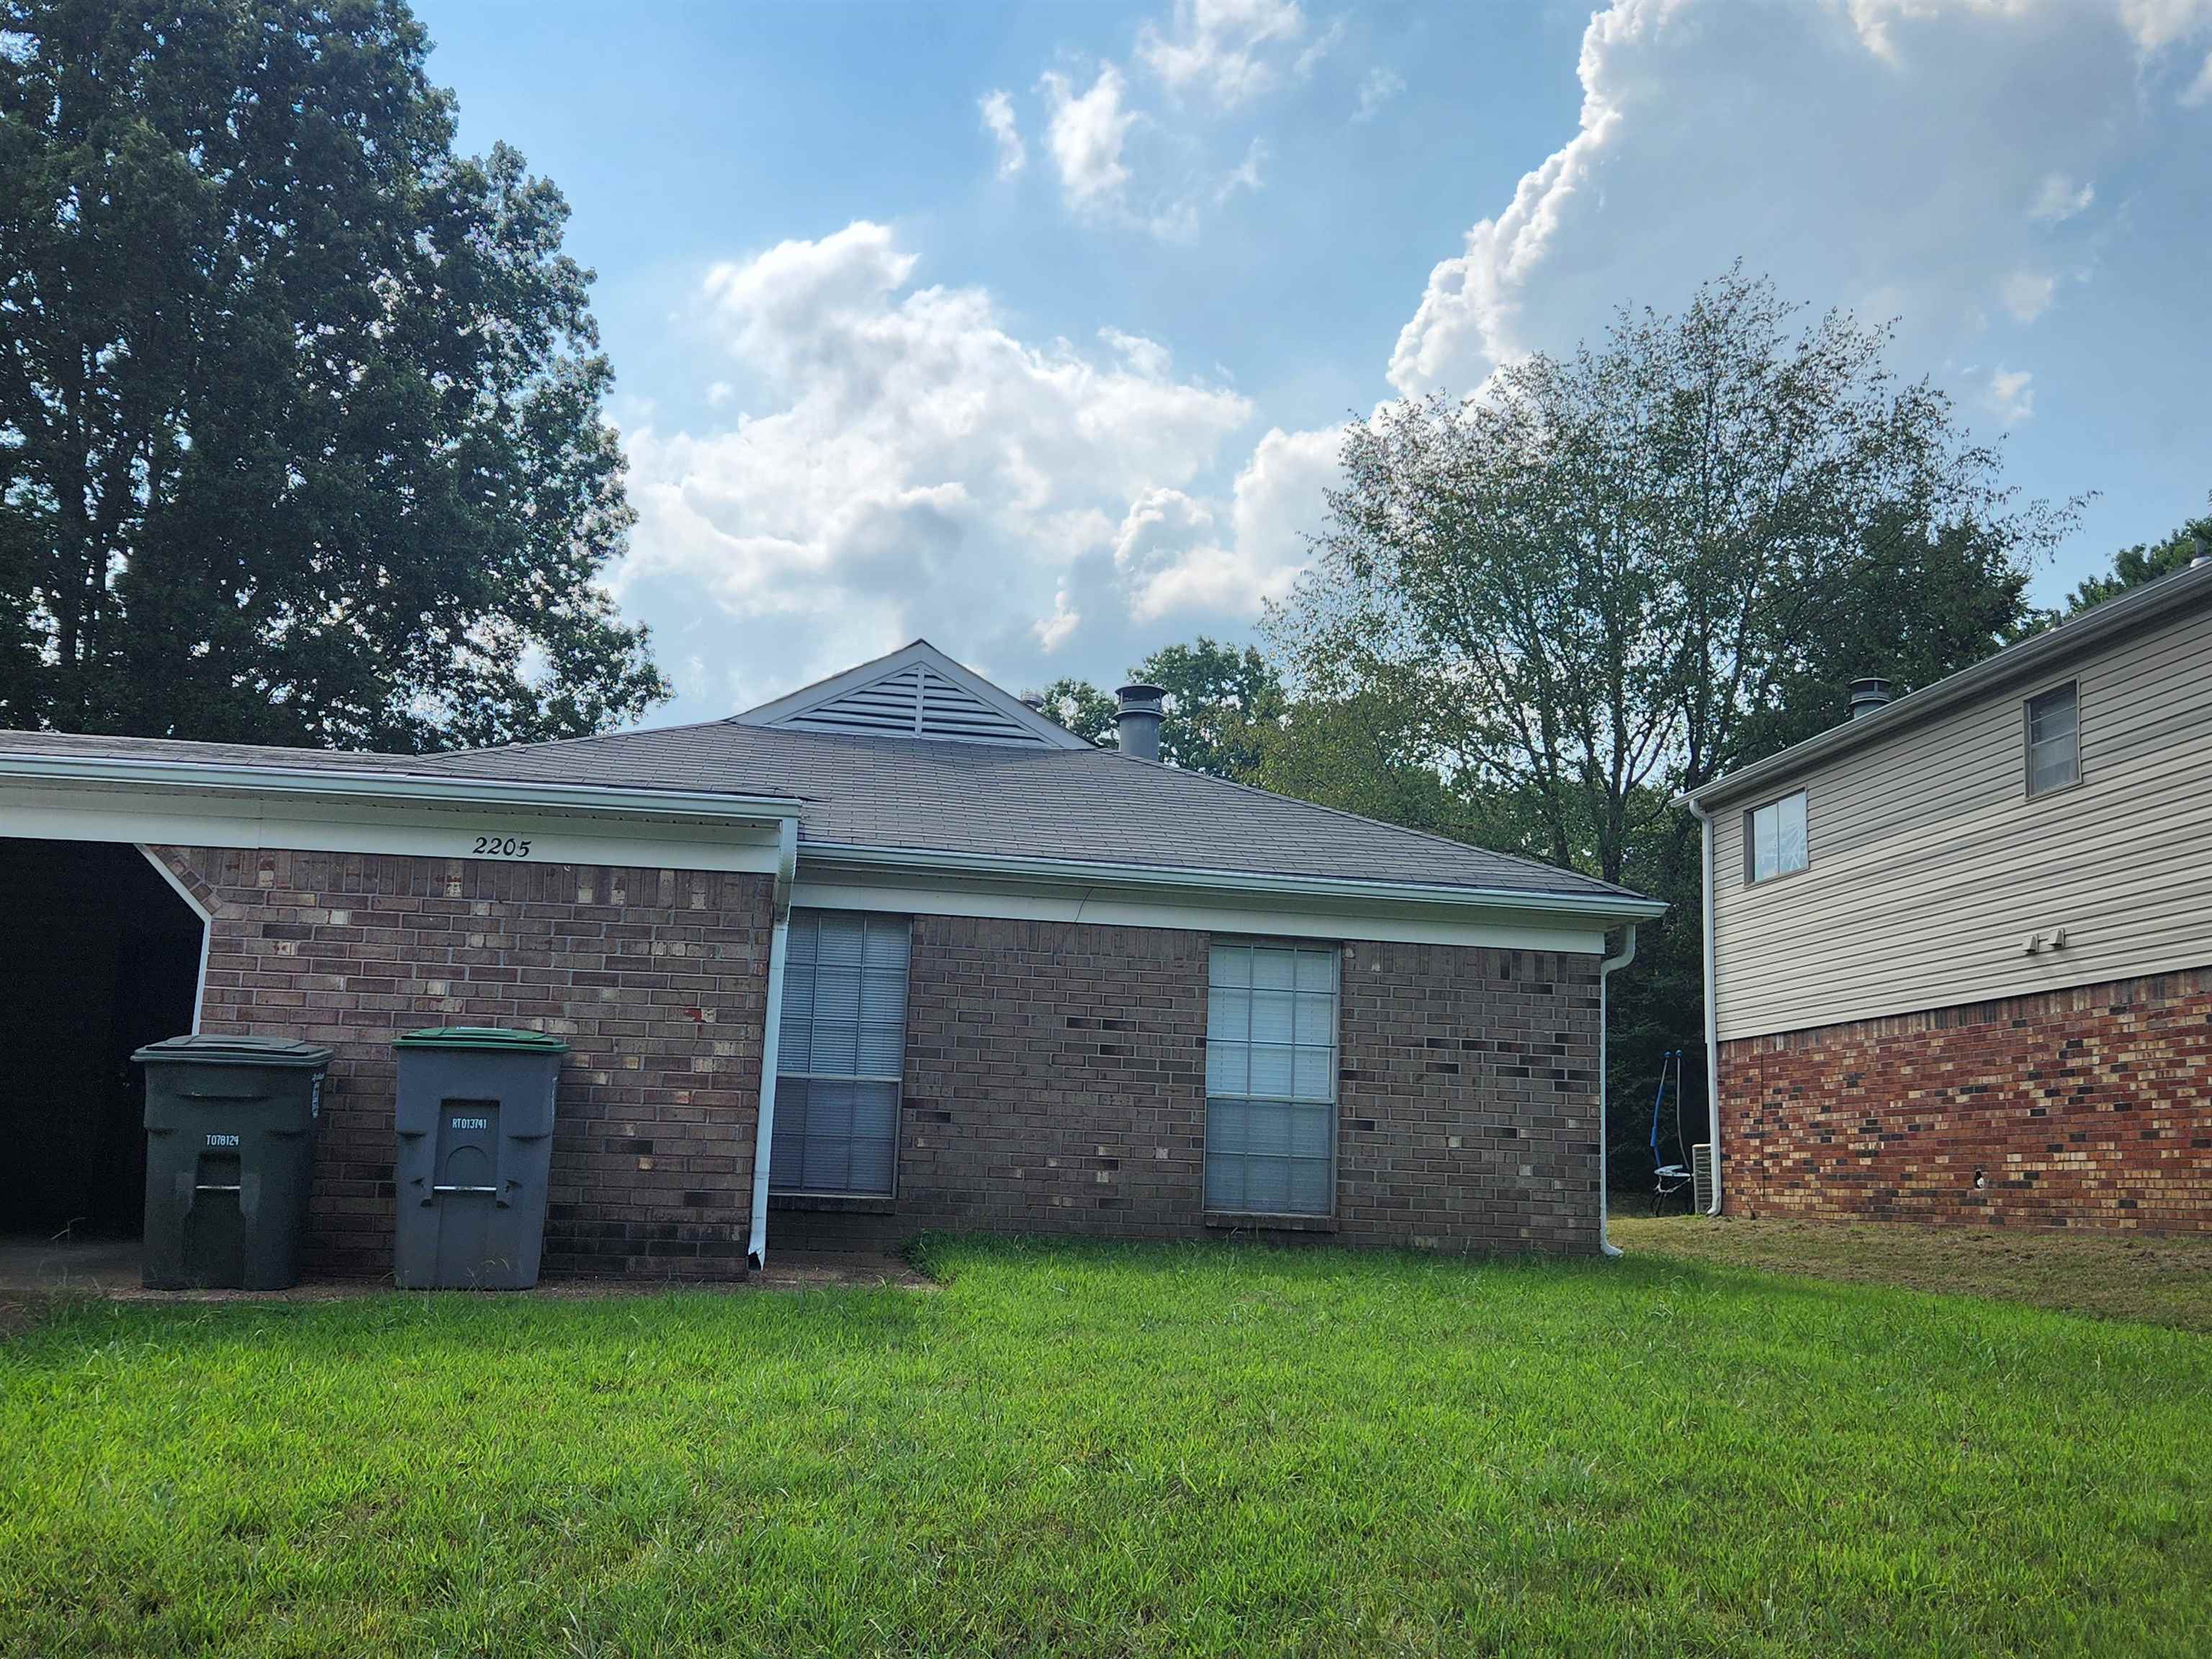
x=820 y=860
x=342 y=783
x=1122 y=897
x=501 y=828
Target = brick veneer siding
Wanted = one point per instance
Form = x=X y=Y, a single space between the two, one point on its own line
x=2090 y=1107
x=1055 y=1084
x=657 y=978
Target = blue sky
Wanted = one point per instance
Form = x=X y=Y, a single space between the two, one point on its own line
x=1032 y=329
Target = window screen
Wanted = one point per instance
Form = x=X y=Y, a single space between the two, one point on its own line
x=840 y=1052
x=1271 y=1081
x=1774 y=838
x=2054 y=748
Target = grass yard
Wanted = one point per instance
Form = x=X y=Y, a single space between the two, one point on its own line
x=2167 y=1281
x=1104 y=1450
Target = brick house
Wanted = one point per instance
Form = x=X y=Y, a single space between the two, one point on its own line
x=1959 y=949
x=893 y=953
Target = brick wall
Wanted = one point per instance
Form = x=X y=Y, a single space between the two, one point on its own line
x=1055 y=1083
x=657 y=978
x=2087 y=1107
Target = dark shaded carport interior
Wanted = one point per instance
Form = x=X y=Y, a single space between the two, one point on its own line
x=104 y=956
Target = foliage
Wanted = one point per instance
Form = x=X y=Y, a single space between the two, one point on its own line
x=1618 y=572
x=301 y=430
x=1112 y=1450
x=1220 y=701
x=2133 y=566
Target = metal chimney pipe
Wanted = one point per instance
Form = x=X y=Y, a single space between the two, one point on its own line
x=1868 y=697
x=1138 y=721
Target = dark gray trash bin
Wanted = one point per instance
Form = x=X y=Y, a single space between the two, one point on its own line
x=230 y=1153
x=476 y=1147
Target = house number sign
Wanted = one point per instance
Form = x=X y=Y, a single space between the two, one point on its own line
x=502 y=847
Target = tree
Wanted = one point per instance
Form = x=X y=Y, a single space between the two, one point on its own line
x=2133 y=566
x=1601 y=570
x=300 y=414
x=1220 y=701
x=1617 y=572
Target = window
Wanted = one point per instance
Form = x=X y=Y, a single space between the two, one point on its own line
x=2054 y=741
x=839 y=1051
x=1271 y=1081
x=1774 y=839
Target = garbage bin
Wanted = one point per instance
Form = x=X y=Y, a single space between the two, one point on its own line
x=230 y=1151
x=476 y=1145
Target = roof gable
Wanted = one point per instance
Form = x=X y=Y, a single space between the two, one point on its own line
x=915 y=692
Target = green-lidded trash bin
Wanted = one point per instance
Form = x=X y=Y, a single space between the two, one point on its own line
x=230 y=1153
x=476 y=1148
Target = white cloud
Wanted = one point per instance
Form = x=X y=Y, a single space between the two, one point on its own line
x=997 y=109
x=1086 y=133
x=1376 y=89
x=918 y=469
x=1805 y=139
x=720 y=392
x=2057 y=199
x=2027 y=293
x=1225 y=48
x=2200 y=89
x=2011 y=397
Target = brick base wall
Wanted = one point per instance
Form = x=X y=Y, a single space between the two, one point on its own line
x=1055 y=1084
x=2090 y=1107
x=657 y=978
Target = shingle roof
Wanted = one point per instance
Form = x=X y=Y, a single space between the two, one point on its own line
x=983 y=799
x=930 y=795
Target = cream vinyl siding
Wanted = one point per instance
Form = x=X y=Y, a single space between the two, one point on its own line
x=1928 y=867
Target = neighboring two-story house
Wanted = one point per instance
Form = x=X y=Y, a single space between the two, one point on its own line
x=1959 y=949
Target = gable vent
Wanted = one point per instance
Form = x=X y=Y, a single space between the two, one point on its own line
x=914 y=702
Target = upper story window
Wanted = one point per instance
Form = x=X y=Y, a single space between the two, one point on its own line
x=1774 y=839
x=840 y=1052
x=2054 y=741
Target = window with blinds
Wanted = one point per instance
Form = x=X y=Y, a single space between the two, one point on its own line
x=2054 y=741
x=841 y=1050
x=1271 y=1080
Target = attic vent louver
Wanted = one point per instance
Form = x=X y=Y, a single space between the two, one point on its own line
x=914 y=702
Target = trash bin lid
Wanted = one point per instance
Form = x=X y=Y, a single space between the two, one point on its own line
x=234 y=1051
x=482 y=1037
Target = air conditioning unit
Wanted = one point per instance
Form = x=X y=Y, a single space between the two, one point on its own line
x=1701 y=1174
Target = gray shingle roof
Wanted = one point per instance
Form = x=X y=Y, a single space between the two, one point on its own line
x=925 y=796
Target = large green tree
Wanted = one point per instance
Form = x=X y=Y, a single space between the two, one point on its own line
x=2147 y=561
x=1620 y=571
x=300 y=414
x=1220 y=702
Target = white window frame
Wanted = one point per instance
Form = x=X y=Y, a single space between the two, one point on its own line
x=807 y=1075
x=2073 y=690
x=1751 y=875
x=1291 y=1099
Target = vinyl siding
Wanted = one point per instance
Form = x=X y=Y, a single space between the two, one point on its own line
x=1929 y=866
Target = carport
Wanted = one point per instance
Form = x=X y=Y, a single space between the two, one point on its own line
x=104 y=955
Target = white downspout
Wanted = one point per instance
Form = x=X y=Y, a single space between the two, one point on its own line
x=1606 y=1246
x=787 y=868
x=1712 y=1015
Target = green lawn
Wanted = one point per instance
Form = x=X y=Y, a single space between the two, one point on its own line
x=1094 y=1449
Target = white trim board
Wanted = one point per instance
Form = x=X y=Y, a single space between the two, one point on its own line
x=1113 y=907
x=207 y=930
x=162 y=815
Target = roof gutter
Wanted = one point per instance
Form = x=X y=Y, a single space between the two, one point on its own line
x=2152 y=602
x=347 y=783
x=779 y=944
x=1621 y=906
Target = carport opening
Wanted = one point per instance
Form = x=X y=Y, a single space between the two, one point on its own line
x=102 y=956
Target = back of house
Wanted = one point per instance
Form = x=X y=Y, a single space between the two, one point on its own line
x=1960 y=948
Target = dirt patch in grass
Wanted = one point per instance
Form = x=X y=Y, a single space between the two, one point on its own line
x=2163 y=1280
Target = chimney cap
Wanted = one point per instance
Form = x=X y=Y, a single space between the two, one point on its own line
x=1869 y=695
x=1138 y=692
